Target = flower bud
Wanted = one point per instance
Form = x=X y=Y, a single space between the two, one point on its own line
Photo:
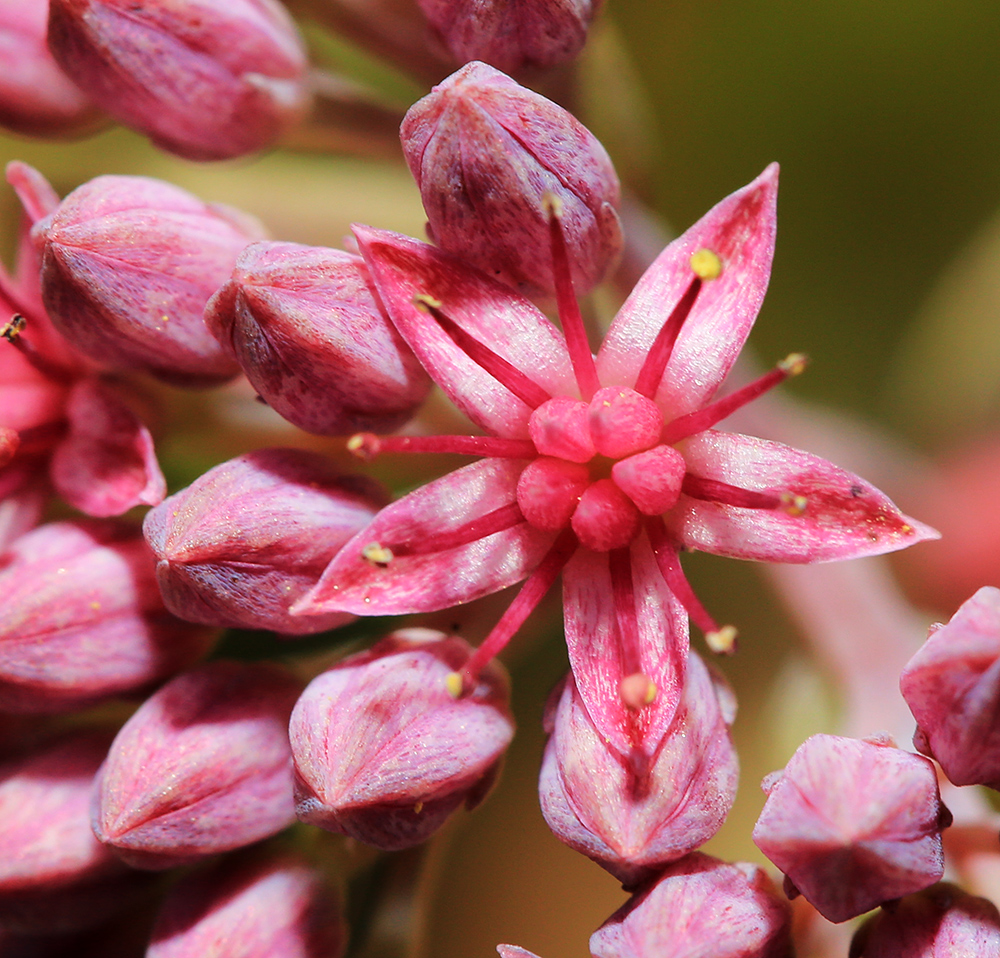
x=82 y=618
x=250 y=537
x=202 y=767
x=128 y=264
x=633 y=814
x=539 y=33
x=853 y=824
x=384 y=751
x=36 y=97
x=490 y=158
x=205 y=79
x=952 y=686
x=700 y=906
x=941 y=921
x=313 y=342
x=262 y=904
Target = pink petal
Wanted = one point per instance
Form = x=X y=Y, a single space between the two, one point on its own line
x=740 y=230
x=423 y=583
x=595 y=651
x=845 y=517
x=106 y=465
x=493 y=313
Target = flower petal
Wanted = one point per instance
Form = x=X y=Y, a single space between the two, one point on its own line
x=437 y=580
x=595 y=648
x=844 y=518
x=740 y=230
x=494 y=314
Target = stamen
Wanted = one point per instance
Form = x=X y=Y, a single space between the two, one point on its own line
x=711 y=490
x=532 y=592
x=367 y=446
x=504 y=372
x=623 y=592
x=377 y=554
x=569 y=309
x=648 y=380
x=702 y=419
x=637 y=690
x=506 y=517
x=13 y=333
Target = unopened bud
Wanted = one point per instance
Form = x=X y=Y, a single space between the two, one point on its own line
x=205 y=79
x=308 y=333
x=853 y=824
x=385 y=753
x=485 y=152
x=202 y=767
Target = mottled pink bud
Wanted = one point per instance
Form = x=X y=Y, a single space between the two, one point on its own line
x=633 y=814
x=941 y=922
x=36 y=97
x=700 y=907
x=313 y=342
x=205 y=79
x=385 y=751
x=202 y=767
x=54 y=875
x=82 y=618
x=490 y=157
x=261 y=904
x=250 y=537
x=511 y=37
x=952 y=686
x=853 y=824
x=128 y=264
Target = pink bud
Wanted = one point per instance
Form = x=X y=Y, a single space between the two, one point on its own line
x=261 y=904
x=36 y=97
x=487 y=154
x=202 y=767
x=82 y=618
x=853 y=824
x=312 y=340
x=385 y=751
x=952 y=686
x=633 y=814
x=941 y=922
x=128 y=264
x=205 y=79
x=249 y=538
x=539 y=33
x=700 y=906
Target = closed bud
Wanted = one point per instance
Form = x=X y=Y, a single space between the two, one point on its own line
x=250 y=537
x=635 y=813
x=202 y=767
x=853 y=824
x=258 y=904
x=83 y=620
x=700 y=906
x=385 y=752
x=539 y=33
x=313 y=342
x=128 y=264
x=205 y=79
x=952 y=686
x=491 y=159
x=940 y=922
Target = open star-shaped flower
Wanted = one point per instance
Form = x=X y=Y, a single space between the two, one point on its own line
x=605 y=467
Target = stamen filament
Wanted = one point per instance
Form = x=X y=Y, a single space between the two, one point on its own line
x=711 y=490
x=620 y=567
x=504 y=372
x=532 y=592
x=367 y=446
x=648 y=381
x=506 y=517
x=13 y=332
x=702 y=419
x=569 y=309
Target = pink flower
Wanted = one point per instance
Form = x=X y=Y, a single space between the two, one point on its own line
x=605 y=468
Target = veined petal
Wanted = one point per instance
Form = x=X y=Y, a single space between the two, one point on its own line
x=510 y=325
x=437 y=580
x=844 y=518
x=596 y=652
x=740 y=230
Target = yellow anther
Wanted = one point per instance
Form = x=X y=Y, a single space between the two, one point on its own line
x=453 y=683
x=377 y=554
x=552 y=205
x=637 y=690
x=418 y=808
x=706 y=264
x=426 y=303
x=13 y=329
x=793 y=503
x=364 y=445
x=722 y=642
x=794 y=363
